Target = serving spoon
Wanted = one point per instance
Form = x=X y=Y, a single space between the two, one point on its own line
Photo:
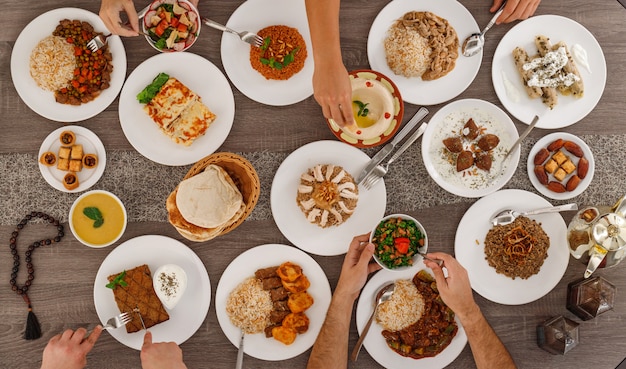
x=475 y=42
x=508 y=216
x=382 y=295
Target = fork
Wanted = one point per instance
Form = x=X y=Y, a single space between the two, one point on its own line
x=245 y=36
x=380 y=170
x=99 y=41
x=118 y=321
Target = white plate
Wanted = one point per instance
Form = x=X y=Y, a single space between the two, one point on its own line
x=263 y=256
x=153 y=250
x=545 y=141
x=414 y=90
x=254 y=15
x=453 y=117
x=291 y=220
x=569 y=110
x=91 y=145
x=375 y=343
x=202 y=77
x=41 y=101
x=469 y=249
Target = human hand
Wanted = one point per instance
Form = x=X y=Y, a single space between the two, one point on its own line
x=110 y=15
x=356 y=267
x=333 y=92
x=162 y=355
x=514 y=9
x=69 y=349
x=455 y=290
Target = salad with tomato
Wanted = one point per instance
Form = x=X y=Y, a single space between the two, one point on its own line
x=397 y=240
x=172 y=26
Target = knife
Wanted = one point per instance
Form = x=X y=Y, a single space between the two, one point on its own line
x=136 y=310
x=388 y=148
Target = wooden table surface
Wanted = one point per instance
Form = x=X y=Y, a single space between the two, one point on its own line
x=62 y=293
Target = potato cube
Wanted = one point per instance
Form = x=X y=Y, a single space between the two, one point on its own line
x=559 y=157
x=551 y=166
x=560 y=174
x=568 y=166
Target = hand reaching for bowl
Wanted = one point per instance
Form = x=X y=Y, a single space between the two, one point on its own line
x=515 y=9
x=333 y=92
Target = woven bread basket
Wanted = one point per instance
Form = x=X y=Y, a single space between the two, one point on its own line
x=243 y=175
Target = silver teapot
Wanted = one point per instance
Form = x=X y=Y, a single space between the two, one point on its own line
x=597 y=236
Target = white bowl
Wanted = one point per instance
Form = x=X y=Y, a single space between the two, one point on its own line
x=191 y=38
x=416 y=257
x=108 y=242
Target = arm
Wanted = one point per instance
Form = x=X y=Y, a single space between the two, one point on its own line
x=514 y=10
x=456 y=292
x=331 y=346
x=331 y=84
x=110 y=15
x=162 y=355
x=69 y=350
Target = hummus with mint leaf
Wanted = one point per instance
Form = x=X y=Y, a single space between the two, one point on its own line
x=373 y=109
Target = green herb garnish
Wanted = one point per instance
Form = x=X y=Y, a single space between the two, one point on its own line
x=119 y=280
x=363 y=110
x=148 y=93
x=94 y=214
x=273 y=63
x=266 y=43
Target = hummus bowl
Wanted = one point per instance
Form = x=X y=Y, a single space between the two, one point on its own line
x=377 y=108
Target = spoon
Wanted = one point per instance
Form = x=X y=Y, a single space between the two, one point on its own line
x=508 y=216
x=474 y=43
x=239 y=364
x=382 y=295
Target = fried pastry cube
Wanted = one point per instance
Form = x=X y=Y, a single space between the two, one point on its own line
x=289 y=271
x=568 y=166
x=76 y=165
x=560 y=174
x=299 y=302
x=63 y=164
x=299 y=285
x=551 y=166
x=64 y=152
x=76 y=152
x=284 y=335
x=559 y=157
x=299 y=322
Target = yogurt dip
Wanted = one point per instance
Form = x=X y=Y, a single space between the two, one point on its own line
x=373 y=108
x=170 y=282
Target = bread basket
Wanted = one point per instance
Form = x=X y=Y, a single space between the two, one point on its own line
x=242 y=173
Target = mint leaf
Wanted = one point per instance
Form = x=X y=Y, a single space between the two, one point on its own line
x=118 y=280
x=92 y=213
x=98 y=223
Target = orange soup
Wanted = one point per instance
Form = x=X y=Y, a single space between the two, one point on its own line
x=98 y=219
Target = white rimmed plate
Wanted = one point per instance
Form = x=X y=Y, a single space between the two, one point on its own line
x=254 y=15
x=41 y=101
x=375 y=343
x=91 y=145
x=469 y=249
x=544 y=142
x=154 y=250
x=569 y=110
x=202 y=77
x=292 y=221
x=448 y=122
x=414 y=90
x=244 y=266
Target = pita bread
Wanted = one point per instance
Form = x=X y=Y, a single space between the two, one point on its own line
x=209 y=199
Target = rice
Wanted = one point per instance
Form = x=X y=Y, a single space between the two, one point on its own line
x=249 y=306
x=52 y=63
x=405 y=307
x=407 y=52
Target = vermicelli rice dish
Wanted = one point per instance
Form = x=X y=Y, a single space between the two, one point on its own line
x=404 y=308
x=249 y=306
x=52 y=63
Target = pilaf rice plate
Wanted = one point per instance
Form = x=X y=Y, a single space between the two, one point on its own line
x=52 y=63
x=249 y=306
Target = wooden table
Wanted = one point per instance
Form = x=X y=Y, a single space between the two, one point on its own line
x=63 y=290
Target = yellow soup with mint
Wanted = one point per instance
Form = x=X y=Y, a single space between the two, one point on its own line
x=98 y=219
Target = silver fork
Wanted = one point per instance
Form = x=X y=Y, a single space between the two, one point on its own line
x=380 y=170
x=245 y=36
x=99 y=41
x=118 y=321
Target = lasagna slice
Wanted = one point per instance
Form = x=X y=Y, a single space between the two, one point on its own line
x=139 y=293
x=191 y=124
x=169 y=103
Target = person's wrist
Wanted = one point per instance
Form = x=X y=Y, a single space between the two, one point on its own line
x=469 y=314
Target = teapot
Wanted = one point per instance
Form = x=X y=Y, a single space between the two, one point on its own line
x=597 y=236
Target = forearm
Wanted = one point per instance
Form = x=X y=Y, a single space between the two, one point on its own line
x=323 y=17
x=330 y=350
x=488 y=350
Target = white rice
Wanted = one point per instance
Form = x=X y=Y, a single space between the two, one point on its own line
x=405 y=307
x=52 y=63
x=249 y=306
x=407 y=52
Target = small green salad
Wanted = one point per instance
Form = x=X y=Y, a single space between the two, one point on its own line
x=397 y=240
x=171 y=26
x=150 y=91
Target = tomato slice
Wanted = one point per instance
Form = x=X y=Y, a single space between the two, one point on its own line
x=402 y=244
